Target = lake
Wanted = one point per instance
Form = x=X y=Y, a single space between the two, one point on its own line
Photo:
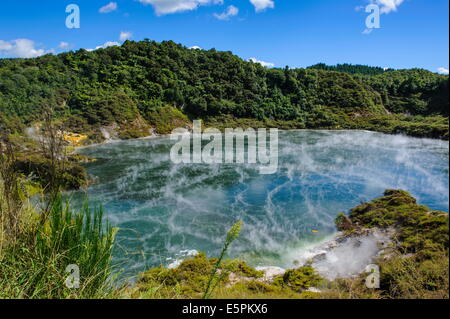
x=167 y=211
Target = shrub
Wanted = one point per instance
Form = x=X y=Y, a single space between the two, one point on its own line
x=241 y=268
x=299 y=279
x=410 y=277
x=419 y=229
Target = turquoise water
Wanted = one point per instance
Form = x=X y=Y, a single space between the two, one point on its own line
x=165 y=210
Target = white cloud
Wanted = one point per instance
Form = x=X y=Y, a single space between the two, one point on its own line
x=367 y=31
x=261 y=5
x=386 y=6
x=105 y=45
x=108 y=44
x=63 y=45
x=5 y=46
x=231 y=12
x=389 y=5
x=110 y=7
x=195 y=47
x=443 y=70
x=171 y=6
x=263 y=63
x=125 y=35
x=21 y=48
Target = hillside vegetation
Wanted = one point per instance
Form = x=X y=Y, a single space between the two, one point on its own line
x=162 y=85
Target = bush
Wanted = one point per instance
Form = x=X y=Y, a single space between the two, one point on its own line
x=420 y=230
x=299 y=279
x=409 y=277
x=71 y=176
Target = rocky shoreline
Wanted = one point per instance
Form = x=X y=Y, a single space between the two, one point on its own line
x=346 y=255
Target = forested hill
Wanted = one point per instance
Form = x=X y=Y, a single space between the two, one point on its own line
x=149 y=82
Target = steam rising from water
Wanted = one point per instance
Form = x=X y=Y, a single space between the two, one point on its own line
x=163 y=209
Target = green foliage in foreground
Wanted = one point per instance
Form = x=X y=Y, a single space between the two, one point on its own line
x=214 y=279
x=73 y=176
x=299 y=279
x=29 y=161
x=33 y=265
x=419 y=265
x=414 y=278
x=420 y=230
x=403 y=276
x=190 y=280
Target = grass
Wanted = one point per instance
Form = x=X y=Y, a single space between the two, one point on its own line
x=214 y=279
x=34 y=265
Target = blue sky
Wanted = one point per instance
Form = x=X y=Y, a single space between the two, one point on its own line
x=298 y=33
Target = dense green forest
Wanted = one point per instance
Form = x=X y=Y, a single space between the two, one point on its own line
x=145 y=84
